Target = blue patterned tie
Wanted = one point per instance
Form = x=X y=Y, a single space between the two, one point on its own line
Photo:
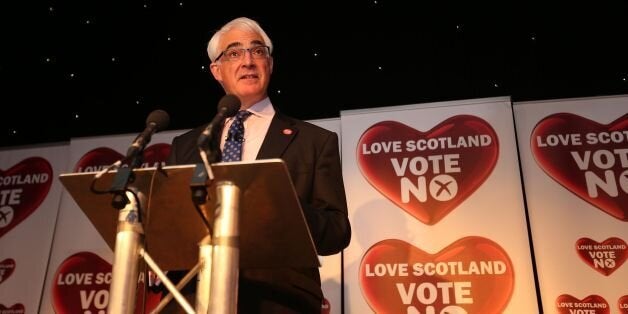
x=233 y=145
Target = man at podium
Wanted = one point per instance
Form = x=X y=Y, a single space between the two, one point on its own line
x=241 y=61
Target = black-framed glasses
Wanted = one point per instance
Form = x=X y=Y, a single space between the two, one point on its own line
x=235 y=54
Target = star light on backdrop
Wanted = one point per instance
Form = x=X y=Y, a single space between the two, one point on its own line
x=85 y=68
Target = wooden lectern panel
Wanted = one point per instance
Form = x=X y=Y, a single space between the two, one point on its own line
x=273 y=231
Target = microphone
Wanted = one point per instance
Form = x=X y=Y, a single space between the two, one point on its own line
x=156 y=121
x=228 y=106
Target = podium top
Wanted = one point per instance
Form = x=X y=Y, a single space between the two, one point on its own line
x=273 y=230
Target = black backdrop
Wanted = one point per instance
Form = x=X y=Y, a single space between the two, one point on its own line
x=82 y=68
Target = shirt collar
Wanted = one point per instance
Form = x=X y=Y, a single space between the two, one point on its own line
x=263 y=108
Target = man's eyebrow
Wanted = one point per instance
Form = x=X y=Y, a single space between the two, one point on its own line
x=255 y=42
x=234 y=44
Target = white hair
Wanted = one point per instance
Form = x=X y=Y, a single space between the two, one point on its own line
x=243 y=23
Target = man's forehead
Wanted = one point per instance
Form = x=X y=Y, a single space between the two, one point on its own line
x=237 y=37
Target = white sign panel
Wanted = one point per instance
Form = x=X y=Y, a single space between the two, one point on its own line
x=79 y=271
x=437 y=210
x=29 y=202
x=574 y=156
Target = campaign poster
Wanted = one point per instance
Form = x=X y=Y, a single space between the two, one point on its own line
x=574 y=157
x=79 y=269
x=29 y=202
x=437 y=210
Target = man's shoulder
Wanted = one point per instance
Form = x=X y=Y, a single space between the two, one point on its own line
x=191 y=134
x=305 y=126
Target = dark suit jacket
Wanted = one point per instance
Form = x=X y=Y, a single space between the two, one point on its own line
x=312 y=158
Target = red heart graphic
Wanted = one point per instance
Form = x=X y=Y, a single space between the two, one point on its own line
x=428 y=174
x=622 y=304
x=6 y=269
x=472 y=275
x=15 y=309
x=566 y=304
x=99 y=158
x=22 y=189
x=587 y=158
x=81 y=284
x=605 y=257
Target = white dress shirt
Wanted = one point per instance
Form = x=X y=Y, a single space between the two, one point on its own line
x=255 y=128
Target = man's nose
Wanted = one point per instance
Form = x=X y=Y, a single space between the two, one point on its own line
x=248 y=57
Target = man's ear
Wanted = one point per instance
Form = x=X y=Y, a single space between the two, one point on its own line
x=271 y=64
x=216 y=72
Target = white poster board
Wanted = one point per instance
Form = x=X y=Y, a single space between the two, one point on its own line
x=79 y=270
x=29 y=202
x=574 y=157
x=437 y=210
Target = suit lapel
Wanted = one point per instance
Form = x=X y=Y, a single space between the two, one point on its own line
x=280 y=133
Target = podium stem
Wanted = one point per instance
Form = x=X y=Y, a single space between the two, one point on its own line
x=226 y=250
x=125 y=268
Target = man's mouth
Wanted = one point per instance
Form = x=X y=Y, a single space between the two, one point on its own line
x=249 y=76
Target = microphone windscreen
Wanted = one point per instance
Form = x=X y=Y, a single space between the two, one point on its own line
x=159 y=118
x=229 y=105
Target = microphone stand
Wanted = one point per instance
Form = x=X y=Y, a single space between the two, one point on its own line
x=217 y=281
x=129 y=238
x=219 y=252
x=201 y=178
